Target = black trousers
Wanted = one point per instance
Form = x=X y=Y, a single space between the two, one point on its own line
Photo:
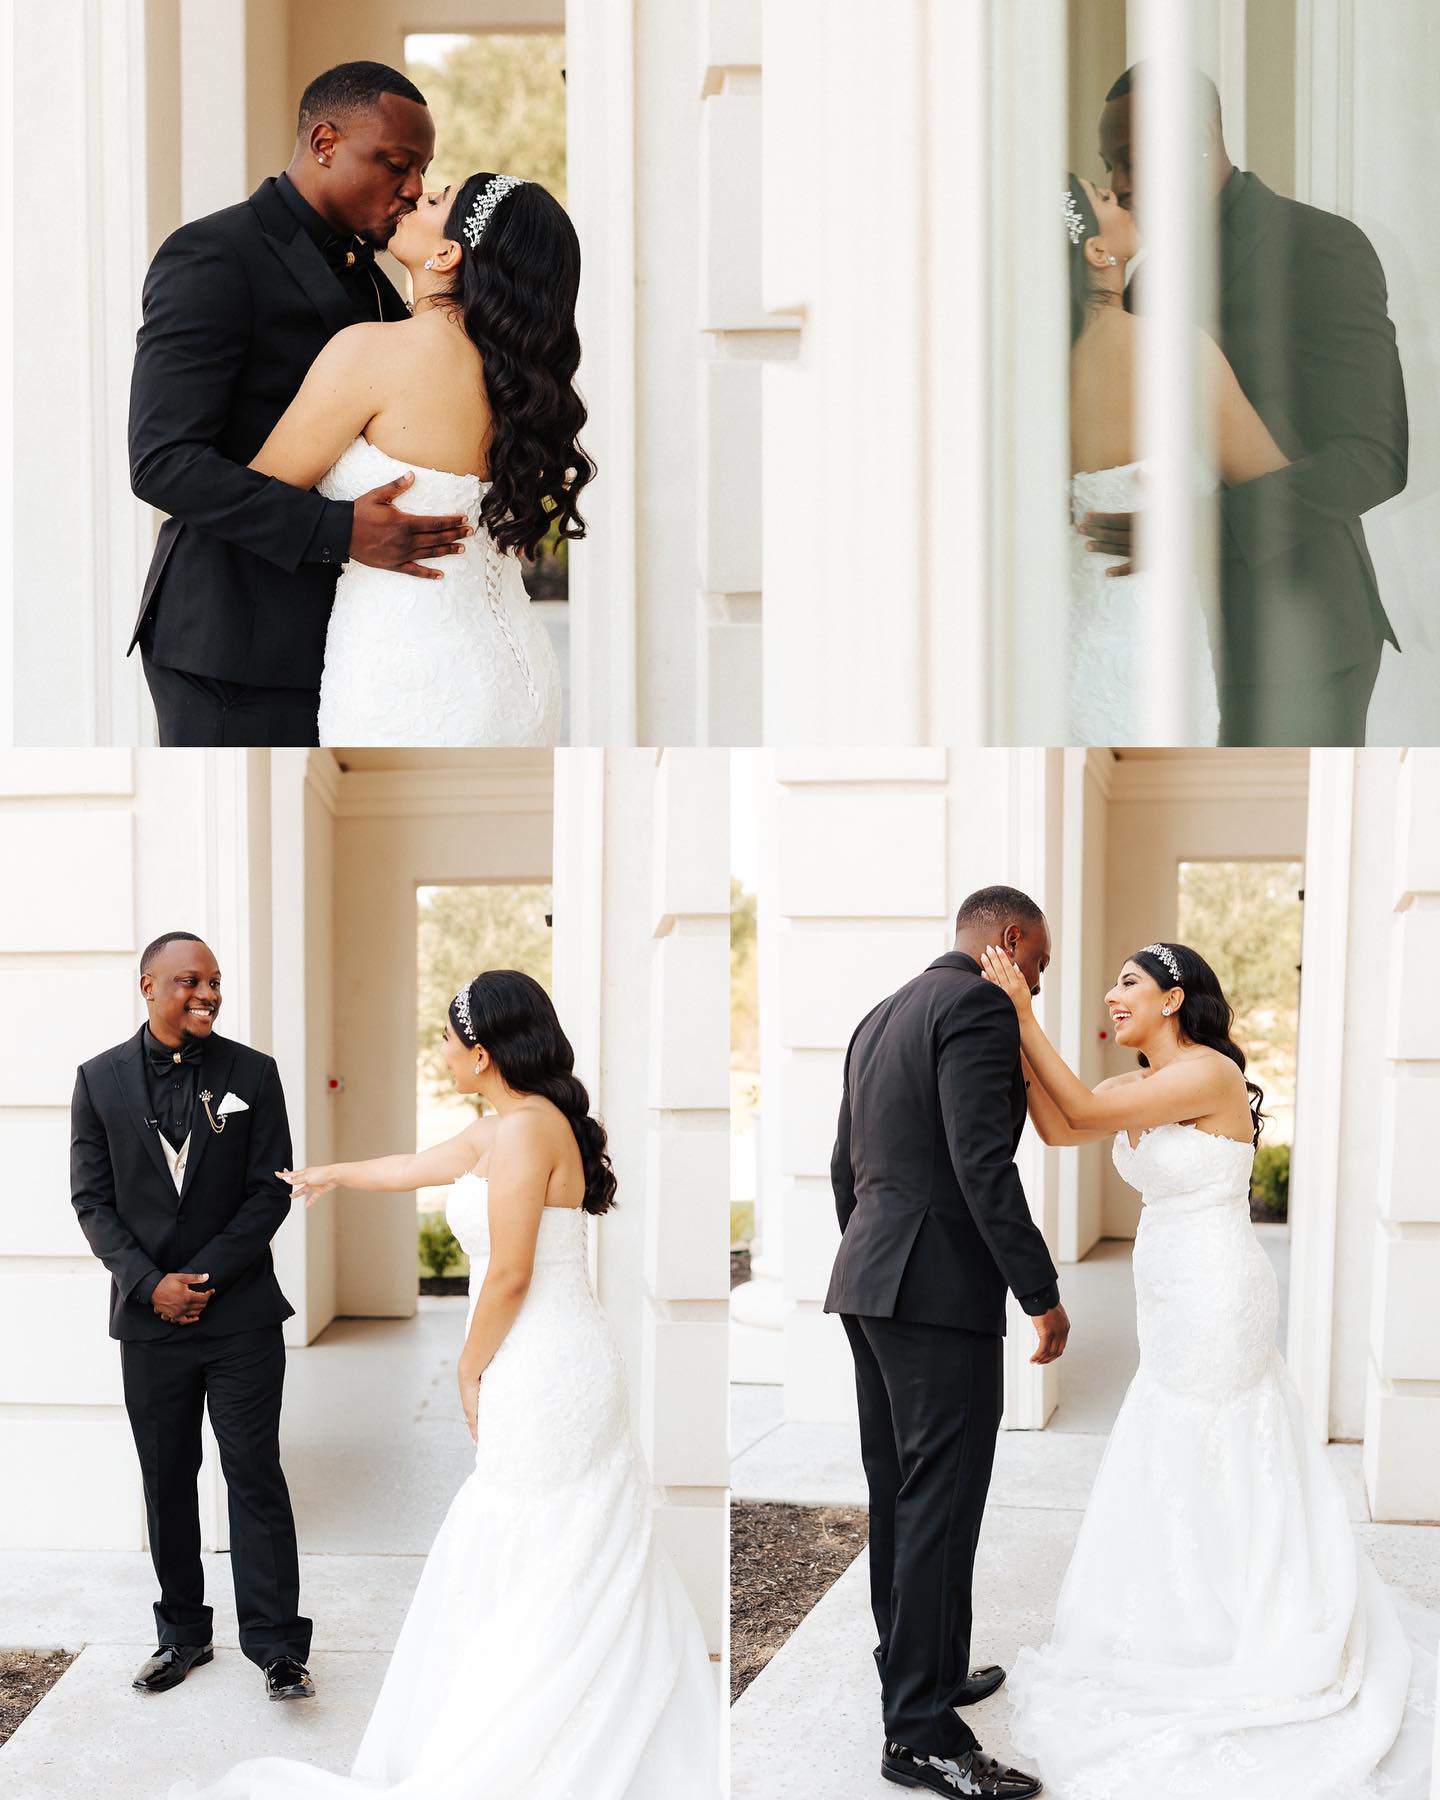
x=930 y=1401
x=202 y=712
x=240 y=1377
x=1330 y=708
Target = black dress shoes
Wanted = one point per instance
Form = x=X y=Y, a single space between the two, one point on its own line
x=286 y=1679
x=169 y=1666
x=972 y=1773
x=981 y=1685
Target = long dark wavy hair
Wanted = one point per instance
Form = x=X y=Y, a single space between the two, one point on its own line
x=1082 y=286
x=513 y=1018
x=1206 y=1016
x=516 y=298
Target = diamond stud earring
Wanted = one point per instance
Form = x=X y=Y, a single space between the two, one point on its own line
x=1112 y=262
x=429 y=262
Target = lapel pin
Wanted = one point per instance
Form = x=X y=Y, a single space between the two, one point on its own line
x=215 y=1124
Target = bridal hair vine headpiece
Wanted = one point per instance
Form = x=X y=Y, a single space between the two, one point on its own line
x=1163 y=953
x=489 y=197
x=1074 y=219
x=461 y=1004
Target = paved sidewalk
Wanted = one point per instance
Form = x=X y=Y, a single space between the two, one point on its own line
x=374 y=1449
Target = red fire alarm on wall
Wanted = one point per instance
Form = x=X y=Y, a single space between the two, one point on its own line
x=336 y=1084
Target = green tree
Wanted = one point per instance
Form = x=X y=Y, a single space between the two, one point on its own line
x=744 y=981
x=463 y=930
x=498 y=101
x=1244 y=918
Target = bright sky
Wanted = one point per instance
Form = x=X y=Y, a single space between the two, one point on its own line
x=432 y=46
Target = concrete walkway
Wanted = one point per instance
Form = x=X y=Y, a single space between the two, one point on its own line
x=374 y=1449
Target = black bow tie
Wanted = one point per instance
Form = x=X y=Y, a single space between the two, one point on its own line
x=163 y=1059
x=348 y=253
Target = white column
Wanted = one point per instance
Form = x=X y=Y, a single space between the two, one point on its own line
x=743 y=340
x=82 y=542
x=1368 y=141
x=642 y=964
x=1402 y=1400
x=908 y=228
x=1171 y=418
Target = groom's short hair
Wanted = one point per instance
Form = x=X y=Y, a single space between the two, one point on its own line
x=151 y=951
x=993 y=908
x=339 y=93
x=1208 y=93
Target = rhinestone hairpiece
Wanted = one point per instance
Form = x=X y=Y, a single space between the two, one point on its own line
x=1074 y=219
x=462 y=1014
x=1164 y=954
x=489 y=197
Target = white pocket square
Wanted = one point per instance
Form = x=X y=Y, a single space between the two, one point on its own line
x=231 y=1103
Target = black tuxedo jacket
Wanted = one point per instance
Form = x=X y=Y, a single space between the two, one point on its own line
x=230 y=1204
x=933 y=1219
x=237 y=307
x=1303 y=321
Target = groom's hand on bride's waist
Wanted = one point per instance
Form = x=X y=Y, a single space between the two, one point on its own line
x=1052 y=1329
x=386 y=538
x=1111 y=534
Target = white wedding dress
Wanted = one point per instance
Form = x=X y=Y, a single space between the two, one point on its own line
x=550 y=1650
x=1106 y=640
x=463 y=660
x=1219 y=1630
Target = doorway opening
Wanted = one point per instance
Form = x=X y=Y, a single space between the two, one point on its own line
x=458 y=932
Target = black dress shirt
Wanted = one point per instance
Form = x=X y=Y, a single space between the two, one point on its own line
x=171 y=1079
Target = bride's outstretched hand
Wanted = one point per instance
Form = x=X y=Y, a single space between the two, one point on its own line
x=308 y=1184
x=996 y=965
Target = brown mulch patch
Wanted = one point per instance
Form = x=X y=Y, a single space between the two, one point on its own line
x=26 y=1677
x=739 y=1267
x=782 y=1560
x=444 y=1284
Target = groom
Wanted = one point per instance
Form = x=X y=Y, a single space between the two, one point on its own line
x=934 y=1229
x=237 y=306
x=1304 y=325
x=175 y=1139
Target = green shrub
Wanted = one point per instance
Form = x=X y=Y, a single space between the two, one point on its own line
x=1270 y=1184
x=438 y=1245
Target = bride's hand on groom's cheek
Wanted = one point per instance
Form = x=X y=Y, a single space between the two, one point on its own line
x=996 y=966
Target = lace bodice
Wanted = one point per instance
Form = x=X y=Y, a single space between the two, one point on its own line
x=459 y=661
x=561 y=1237
x=1170 y=1167
x=1105 y=638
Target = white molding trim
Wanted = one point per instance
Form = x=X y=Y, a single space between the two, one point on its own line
x=578 y=933
x=600 y=126
x=1315 y=1168
x=1211 y=775
x=422 y=792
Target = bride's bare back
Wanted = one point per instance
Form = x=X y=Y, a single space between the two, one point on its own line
x=1104 y=392
x=430 y=402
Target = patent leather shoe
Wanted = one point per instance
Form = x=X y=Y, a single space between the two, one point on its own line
x=973 y=1772
x=169 y=1666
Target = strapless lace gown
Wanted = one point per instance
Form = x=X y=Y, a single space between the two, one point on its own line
x=550 y=1650
x=463 y=660
x=1108 y=672
x=1219 y=1630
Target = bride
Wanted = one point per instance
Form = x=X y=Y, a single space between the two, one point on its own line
x=1107 y=599
x=1219 y=1630
x=550 y=1648
x=468 y=408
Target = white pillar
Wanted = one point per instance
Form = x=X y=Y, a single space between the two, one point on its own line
x=1368 y=141
x=909 y=223
x=1402 y=1401
x=82 y=542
